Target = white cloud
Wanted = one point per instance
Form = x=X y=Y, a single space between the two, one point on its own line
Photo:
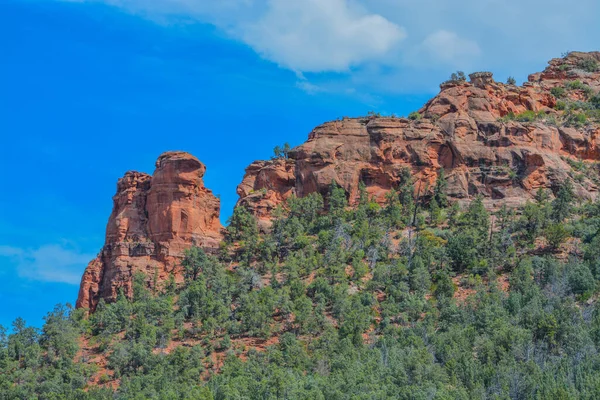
x=303 y=35
x=320 y=35
x=49 y=263
x=448 y=47
x=308 y=87
x=373 y=43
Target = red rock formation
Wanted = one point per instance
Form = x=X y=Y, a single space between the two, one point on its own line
x=154 y=219
x=461 y=130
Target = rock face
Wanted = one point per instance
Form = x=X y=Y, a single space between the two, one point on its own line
x=154 y=219
x=460 y=130
x=469 y=129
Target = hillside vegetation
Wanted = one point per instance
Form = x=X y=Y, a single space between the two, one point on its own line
x=409 y=300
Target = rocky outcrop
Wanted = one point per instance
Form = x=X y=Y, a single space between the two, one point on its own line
x=469 y=129
x=154 y=219
x=464 y=130
x=568 y=68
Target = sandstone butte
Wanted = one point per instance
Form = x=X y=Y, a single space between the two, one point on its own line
x=155 y=218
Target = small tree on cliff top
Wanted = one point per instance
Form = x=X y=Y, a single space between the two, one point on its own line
x=458 y=76
x=282 y=152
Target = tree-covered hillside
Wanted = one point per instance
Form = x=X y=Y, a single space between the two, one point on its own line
x=410 y=300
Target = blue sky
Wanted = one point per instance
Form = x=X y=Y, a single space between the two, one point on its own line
x=91 y=89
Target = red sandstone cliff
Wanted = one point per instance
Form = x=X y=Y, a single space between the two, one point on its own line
x=461 y=130
x=154 y=219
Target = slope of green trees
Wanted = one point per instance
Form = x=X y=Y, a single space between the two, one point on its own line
x=365 y=302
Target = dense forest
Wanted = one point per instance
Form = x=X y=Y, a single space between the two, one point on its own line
x=410 y=300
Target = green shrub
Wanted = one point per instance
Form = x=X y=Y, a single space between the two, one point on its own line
x=576 y=119
x=588 y=64
x=511 y=81
x=579 y=105
x=556 y=234
x=558 y=91
x=527 y=116
x=595 y=101
x=433 y=117
x=508 y=117
x=575 y=85
x=415 y=116
x=551 y=120
x=580 y=278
